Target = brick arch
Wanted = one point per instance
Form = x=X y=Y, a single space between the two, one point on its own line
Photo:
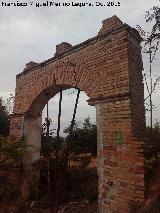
x=64 y=76
x=108 y=68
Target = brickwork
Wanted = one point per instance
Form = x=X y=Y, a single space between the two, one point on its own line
x=110 y=24
x=108 y=68
x=61 y=48
x=120 y=166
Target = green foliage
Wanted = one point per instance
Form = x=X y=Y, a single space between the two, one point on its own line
x=152 y=151
x=68 y=172
x=149 y=165
x=9 y=190
x=84 y=139
x=153 y=15
x=82 y=161
x=4 y=120
x=82 y=184
x=49 y=145
x=11 y=153
x=152 y=148
x=153 y=134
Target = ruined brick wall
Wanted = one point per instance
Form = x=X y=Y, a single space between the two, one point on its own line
x=108 y=68
x=121 y=162
x=98 y=66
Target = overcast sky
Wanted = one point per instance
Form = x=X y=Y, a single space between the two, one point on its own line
x=30 y=33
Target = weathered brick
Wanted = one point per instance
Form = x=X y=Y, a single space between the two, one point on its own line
x=108 y=68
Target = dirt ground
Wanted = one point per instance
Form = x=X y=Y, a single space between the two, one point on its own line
x=75 y=207
x=81 y=208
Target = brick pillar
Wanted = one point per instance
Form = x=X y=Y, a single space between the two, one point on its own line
x=30 y=128
x=120 y=157
x=16 y=125
x=32 y=133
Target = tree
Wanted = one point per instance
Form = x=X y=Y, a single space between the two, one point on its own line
x=4 y=119
x=84 y=137
x=153 y=15
x=153 y=40
x=155 y=139
x=11 y=167
x=150 y=46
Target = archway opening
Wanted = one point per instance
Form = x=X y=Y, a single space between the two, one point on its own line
x=68 y=179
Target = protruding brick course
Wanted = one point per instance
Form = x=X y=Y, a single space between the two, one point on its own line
x=62 y=47
x=31 y=64
x=110 y=24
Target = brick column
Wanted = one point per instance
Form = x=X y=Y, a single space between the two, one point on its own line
x=120 y=157
x=30 y=128
x=16 y=125
x=32 y=133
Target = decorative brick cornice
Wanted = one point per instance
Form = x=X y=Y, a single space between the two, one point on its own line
x=111 y=98
x=82 y=45
x=62 y=48
x=15 y=115
x=110 y=24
